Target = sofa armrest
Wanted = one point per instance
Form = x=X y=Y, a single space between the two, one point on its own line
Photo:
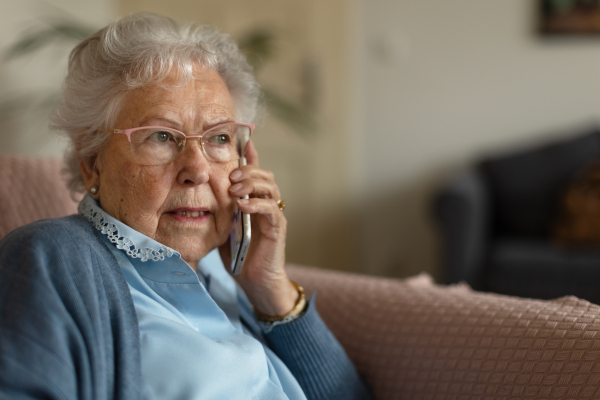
x=463 y=212
x=411 y=339
x=31 y=188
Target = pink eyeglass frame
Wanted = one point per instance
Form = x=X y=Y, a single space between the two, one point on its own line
x=128 y=132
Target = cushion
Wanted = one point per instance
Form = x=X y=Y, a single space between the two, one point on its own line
x=578 y=220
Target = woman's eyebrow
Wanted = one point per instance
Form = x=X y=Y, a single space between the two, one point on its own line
x=146 y=120
x=162 y=120
x=221 y=122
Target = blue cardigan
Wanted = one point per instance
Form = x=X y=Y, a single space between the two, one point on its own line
x=68 y=328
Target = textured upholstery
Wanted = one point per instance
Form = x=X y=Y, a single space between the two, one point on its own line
x=415 y=340
x=31 y=189
x=410 y=339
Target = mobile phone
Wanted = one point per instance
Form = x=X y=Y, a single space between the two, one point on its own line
x=239 y=237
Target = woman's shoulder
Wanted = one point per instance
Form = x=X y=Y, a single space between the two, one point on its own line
x=73 y=227
x=55 y=243
x=60 y=256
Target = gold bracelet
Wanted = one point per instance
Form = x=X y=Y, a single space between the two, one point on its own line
x=298 y=307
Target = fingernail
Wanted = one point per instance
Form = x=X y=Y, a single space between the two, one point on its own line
x=235 y=187
x=235 y=174
x=243 y=201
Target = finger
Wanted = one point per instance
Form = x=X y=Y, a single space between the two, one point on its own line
x=251 y=154
x=256 y=187
x=251 y=171
x=266 y=207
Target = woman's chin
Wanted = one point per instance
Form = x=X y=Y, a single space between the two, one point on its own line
x=193 y=255
x=192 y=241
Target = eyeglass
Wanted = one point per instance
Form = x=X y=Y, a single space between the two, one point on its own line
x=157 y=145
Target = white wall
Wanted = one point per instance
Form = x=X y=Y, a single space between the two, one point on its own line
x=32 y=80
x=442 y=82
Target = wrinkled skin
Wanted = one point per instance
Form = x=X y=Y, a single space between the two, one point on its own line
x=144 y=197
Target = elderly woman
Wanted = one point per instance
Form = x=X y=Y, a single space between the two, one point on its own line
x=130 y=298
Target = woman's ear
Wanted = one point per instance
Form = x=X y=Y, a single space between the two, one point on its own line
x=91 y=175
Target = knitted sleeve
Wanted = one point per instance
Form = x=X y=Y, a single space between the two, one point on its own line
x=316 y=358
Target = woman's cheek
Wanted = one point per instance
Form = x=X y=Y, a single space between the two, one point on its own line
x=221 y=189
x=153 y=185
x=224 y=221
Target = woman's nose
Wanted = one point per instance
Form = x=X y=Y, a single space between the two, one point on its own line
x=193 y=164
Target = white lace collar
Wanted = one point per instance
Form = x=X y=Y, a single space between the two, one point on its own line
x=121 y=235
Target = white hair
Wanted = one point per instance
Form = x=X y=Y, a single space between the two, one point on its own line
x=132 y=52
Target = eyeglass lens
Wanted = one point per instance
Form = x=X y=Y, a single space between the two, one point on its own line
x=158 y=146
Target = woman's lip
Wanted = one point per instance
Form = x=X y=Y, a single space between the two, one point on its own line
x=187 y=216
x=190 y=209
x=190 y=214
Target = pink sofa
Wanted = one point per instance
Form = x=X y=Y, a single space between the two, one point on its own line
x=410 y=339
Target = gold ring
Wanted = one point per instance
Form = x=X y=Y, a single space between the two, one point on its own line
x=281 y=205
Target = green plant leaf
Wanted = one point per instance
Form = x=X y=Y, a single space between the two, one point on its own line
x=296 y=116
x=258 y=46
x=32 y=42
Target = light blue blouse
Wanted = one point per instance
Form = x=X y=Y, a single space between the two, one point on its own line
x=194 y=342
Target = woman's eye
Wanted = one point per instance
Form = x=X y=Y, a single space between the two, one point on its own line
x=160 y=137
x=219 y=139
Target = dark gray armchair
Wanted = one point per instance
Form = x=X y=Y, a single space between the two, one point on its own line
x=496 y=220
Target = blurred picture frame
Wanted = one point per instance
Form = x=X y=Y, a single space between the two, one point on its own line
x=569 y=17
